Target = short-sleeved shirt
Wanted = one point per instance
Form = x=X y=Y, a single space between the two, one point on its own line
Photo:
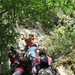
x=31 y=51
x=29 y=42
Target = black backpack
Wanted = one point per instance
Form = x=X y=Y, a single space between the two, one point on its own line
x=43 y=61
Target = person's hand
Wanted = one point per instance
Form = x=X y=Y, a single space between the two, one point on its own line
x=40 y=48
x=22 y=59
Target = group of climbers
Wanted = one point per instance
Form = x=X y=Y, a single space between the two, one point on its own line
x=29 y=63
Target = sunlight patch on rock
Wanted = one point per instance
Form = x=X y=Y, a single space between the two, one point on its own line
x=61 y=70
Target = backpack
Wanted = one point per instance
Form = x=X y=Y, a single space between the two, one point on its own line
x=45 y=71
x=15 y=62
x=43 y=61
x=44 y=66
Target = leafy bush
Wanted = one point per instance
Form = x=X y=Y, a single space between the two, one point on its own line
x=9 y=72
x=61 y=39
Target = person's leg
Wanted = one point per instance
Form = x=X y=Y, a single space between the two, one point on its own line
x=18 y=71
x=32 y=62
x=34 y=71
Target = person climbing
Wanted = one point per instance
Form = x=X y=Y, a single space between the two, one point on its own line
x=21 y=65
x=43 y=63
x=29 y=41
x=31 y=56
x=31 y=51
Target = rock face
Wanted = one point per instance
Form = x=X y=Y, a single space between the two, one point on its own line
x=66 y=64
x=39 y=36
x=62 y=71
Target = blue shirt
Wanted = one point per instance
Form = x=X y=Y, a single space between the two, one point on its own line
x=31 y=51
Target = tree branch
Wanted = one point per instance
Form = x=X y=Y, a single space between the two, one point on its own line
x=6 y=10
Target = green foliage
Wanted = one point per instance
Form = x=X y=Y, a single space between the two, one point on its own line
x=9 y=72
x=61 y=39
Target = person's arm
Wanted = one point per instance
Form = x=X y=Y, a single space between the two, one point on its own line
x=22 y=59
x=39 y=48
x=49 y=61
